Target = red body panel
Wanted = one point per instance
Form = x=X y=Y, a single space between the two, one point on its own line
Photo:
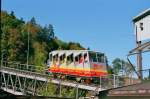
x=89 y=73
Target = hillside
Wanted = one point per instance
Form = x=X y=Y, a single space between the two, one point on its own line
x=42 y=40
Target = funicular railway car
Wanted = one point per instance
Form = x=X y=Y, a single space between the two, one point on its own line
x=80 y=63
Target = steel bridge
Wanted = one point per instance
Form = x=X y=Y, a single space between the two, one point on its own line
x=22 y=79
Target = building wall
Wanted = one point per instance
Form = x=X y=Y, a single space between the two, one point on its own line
x=145 y=33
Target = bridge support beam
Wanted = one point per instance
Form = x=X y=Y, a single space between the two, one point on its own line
x=77 y=92
x=60 y=88
x=34 y=89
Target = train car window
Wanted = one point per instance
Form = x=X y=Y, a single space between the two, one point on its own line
x=71 y=58
x=80 y=58
x=64 y=58
x=103 y=58
x=61 y=59
x=85 y=58
x=92 y=57
x=50 y=57
x=48 y=63
x=76 y=59
x=68 y=59
x=57 y=57
x=100 y=58
x=54 y=59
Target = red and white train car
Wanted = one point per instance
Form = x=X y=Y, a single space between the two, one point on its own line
x=78 y=62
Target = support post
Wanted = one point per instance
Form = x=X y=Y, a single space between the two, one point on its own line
x=77 y=91
x=114 y=81
x=5 y=82
x=35 y=81
x=46 y=84
x=1 y=66
x=60 y=88
x=1 y=59
x=139 y=61
x=12 y=83
x=149 y=74
x=20 y=86
x=15 y=82
x=100 y=82
x=24 y=86
x=28 y=48
x=139 y=56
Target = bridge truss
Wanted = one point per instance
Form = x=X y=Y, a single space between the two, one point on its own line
x=22 y=79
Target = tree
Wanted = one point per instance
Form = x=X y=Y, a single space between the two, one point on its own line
x=51 y=32
x=11 y=35
x=46 y=34
x=12 y=14
x=75 y=46
x=42 y=40
x=33 y=21
x=88 y=48
x=117 y=65
x=121 y=66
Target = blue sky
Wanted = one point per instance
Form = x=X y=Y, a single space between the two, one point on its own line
x=102 y=25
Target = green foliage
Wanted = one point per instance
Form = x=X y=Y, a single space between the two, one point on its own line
x=75 y=46
x=68 y=92
x=42 y=40
x=46 y=34
x=50 y=90
x=110 y=70
x=33 y=21
x=11 y=36
x=121 y=65
x=117 y=64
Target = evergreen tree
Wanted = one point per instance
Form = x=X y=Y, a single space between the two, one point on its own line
x=51 y=31
x=12 y=14
x=33 y=21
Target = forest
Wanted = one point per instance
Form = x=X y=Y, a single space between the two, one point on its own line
x=42 y=40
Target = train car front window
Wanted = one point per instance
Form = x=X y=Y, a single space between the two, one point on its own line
x=100 y=58
x=96 y=57
x=92 y=57
x=50 y=57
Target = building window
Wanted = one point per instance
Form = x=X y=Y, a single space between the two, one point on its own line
x=141 y=26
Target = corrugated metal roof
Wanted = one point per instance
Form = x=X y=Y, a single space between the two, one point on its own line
x=132 y=90
x=139 y=86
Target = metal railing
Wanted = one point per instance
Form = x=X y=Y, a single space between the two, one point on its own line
x=146 y=74
x=103 y=82
x=106 y=81
x=24 y=67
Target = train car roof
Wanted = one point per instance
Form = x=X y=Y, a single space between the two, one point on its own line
x=62 y=51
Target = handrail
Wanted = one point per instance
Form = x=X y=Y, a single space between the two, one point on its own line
x=106 y=81
x=137 y=72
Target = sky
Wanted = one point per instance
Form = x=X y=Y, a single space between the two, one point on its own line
x=103 y=25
